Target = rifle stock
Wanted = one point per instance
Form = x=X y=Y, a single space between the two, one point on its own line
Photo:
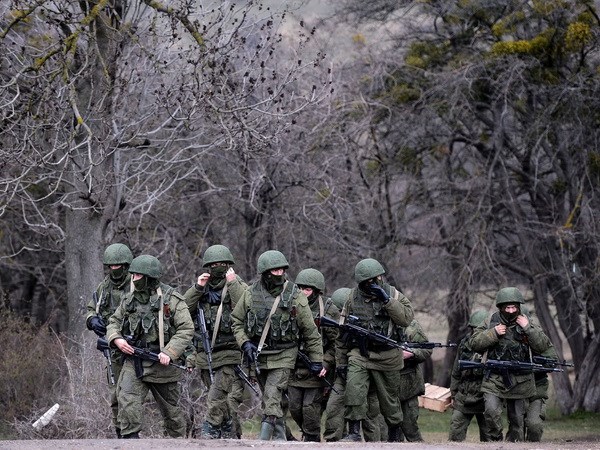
x=205 y=341
x=240 y=373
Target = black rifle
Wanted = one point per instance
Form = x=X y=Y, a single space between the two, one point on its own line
x=428 y=345
x=240 y=373
x=105 y=351
x=307 y=362
x=139 y=354
x=205 y=341
x=505 y=368
x=364 y=336
x=551 y=362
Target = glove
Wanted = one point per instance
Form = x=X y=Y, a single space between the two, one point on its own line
x=342 y=371
x=380 y=293
x=315 y=368
x=97 y=325
x=250 y=350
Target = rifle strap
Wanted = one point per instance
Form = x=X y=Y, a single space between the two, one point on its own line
x=99 y=302
x=265 y=332
x=343 y=312
x=391 y=324
x=161 y=320
x=218 y=318
x=321 y=306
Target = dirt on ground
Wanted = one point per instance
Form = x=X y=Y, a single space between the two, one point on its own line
x=156 y=444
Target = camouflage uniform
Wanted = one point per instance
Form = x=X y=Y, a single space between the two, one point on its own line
x=383 y=309
x=465 y=387
x=107 y=297
x=225 y=394
x=290 y=323
x=138 y=316
x=305 y=390
x=412 y=383
x=516 y=345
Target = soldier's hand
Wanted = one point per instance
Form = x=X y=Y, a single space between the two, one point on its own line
x=500 y=329
x=164 y=359
x=123 y=346
x=323 y=372
x=316 y=368
x=203 y=279
x=522 y=321
x=250 y=350
x=380 y=293
x=406 y=355
x=230 y=275
x=97 y=325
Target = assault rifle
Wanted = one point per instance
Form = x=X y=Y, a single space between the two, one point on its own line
x=551 y=362
x=139 y=354
x=240 y=373
x=307 y=362
x=205 y=341
x=105 y=351
x=364 y=336
x=428 y=345
x=505 y=368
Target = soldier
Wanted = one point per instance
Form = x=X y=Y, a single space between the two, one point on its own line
x=412 y=383
x=213 y=294
x=117 y=258
x=465 y=388
x=510 y=336
x=383 y=309
x=305 y=390
x=153 y=316
x=269 y=321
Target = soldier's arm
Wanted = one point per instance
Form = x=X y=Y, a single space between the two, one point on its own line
x=115 y=324
x=400 y=310
x=538 y=340
x=184 y=328
x=483 y=338
x=238 y=318
x=415 y=333
x=329 y=353
x=192 y=297
x=236 y=289
x=313 y=343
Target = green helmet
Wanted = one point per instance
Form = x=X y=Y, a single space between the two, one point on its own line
x=340 y=296
x=271 y=259
x=117 y=254
x=367 y=269
x=477 y=318
x=146 y=265
x=509 y=295
x=312 y=278
x=217 y=253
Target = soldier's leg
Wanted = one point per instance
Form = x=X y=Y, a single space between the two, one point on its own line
x=515 y=410
x=410 y=418
x=234 y=400
x=386 y=386
x=295 y=404
x=311 y=414
x=355 y=400
x=334 y=412
x=216 y=404
x=117 y=364
x=372 y=423
x=484 y=433
x=130 y=394
x=275 y=383
x=167 y=398
x=534 y=420
x=459 y=423
x=493 y=416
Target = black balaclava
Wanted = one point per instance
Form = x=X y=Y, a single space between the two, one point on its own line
x=510 y=317
x=144 y=287
x=217 y=276
x=118 y=275
x=273 y=283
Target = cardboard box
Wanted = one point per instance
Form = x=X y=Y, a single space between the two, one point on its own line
x=436 y=398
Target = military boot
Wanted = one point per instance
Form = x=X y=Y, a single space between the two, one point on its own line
x=279 y=434
x=288 y=434
x=209 y=431
x=311 y=438
x=395 y=434
x=267 y=427
x=118 y=431
x=227 y=430
x=353 y=432
x=135 y=435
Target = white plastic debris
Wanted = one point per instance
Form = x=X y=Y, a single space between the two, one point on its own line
x=45 y=418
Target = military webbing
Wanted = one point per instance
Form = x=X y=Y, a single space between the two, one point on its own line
x=343 y=312
x=218 y=318
x=161 y=324
x=99 y=302
x=265 y=332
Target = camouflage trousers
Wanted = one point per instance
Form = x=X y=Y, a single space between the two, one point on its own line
x=534 y=420
x=131 y=393
x=515 y=410
x=334 y=412
x=273 y=382
x=373 y=426
x=117 y=365
x=305 y=408
x=225 y=395
x=410 y=417
x=385 y=384
x=460 y=422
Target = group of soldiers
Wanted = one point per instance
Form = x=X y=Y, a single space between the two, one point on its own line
x=298 y=350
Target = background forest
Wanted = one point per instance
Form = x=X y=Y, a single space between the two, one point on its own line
x=455 y=141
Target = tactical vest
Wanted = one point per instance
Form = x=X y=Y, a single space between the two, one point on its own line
x=514 y=345
x=111 y=295
x=467 y=354
x=373 y=316
x=284 y=331
x=225 y=337
x=314 y=308
x=140 y=320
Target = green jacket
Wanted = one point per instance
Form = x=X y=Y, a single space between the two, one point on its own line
x=300 y=376
x=516 y=344
x=140 y=320
x=412 y=382
x=374 y=315
x=465 y=385
x=291 y=324
x=225 y=350
x=109 y=295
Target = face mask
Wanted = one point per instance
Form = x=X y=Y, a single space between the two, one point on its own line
x=141 y=284
x=273 y=283
x=510 y=317
x=118 y=274
x=217 y=272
